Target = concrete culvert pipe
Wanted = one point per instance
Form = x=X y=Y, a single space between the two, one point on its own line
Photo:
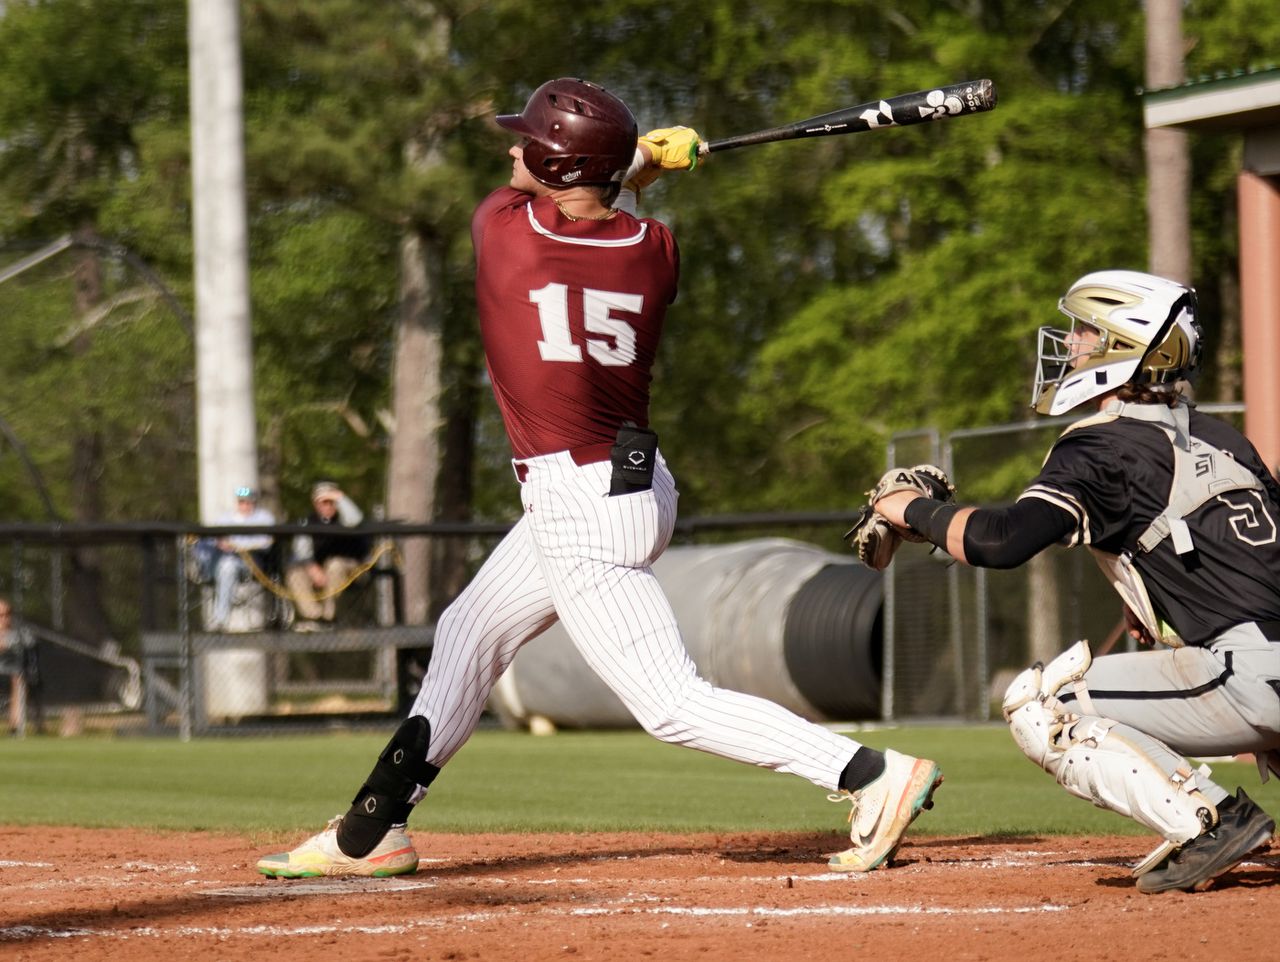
x=771 y=617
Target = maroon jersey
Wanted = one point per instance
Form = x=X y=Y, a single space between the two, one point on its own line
x=570 y=314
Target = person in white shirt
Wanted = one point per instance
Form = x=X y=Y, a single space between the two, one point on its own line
x=230 y=567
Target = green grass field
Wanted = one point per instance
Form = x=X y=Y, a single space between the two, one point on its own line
x=505 y=781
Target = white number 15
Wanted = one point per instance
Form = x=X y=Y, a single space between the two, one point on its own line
x=597 y=308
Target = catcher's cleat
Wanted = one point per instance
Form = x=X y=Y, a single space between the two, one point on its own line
x=319 y=855
x=883 y=810
x=1242 y=828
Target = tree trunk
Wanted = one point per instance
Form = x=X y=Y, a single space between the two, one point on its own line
x=1168 y=158
x=86 y=614
x=413 y=468
x=414 y=464
x=1228 y=358
x=449 y=561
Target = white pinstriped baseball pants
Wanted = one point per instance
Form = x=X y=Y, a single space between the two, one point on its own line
x=584 y=557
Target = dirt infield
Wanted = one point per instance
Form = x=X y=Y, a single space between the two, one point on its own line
x=120 y=896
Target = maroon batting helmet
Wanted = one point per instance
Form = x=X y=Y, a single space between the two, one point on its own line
x=578 y=132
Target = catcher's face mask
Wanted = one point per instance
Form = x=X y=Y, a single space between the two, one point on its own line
x=1061 y=351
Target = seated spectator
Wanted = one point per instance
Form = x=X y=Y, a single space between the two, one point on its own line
x=223 y=558
x=324 y=562
x=16 y=652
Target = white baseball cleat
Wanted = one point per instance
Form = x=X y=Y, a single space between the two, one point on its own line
x=319 y=855
x=883 y=810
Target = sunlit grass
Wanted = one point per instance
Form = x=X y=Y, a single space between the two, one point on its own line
x=505 y=781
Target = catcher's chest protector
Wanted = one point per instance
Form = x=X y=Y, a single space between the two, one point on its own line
x=1201 y=472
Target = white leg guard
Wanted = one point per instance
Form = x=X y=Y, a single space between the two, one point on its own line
x=1092 y=761
x=1107 y=769
x=1041 y=681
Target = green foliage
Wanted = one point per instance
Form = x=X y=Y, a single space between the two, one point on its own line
x=323 y=298
x=503 y=781
x=893 y=274
x=76 y=76
x=834 y=291
x=125 y=382
x=1229 y=36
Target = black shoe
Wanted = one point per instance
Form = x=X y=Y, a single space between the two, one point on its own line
x=1242 y=828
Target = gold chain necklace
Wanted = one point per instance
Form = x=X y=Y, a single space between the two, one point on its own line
x=575 y=217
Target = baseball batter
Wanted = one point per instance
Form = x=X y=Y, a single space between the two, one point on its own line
x=572 y=290
x=1182 y=514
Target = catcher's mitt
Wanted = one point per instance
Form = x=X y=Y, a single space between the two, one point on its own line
x=873 y=539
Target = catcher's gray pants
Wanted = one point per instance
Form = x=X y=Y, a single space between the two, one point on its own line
x=1173 y=702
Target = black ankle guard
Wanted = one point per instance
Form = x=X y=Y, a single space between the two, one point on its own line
x=383 y=800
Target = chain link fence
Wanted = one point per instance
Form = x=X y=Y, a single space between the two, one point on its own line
x=955 y=636
x=112 y=622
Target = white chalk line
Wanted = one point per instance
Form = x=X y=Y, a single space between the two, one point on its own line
x=148 y=876
x=186 y=868
x=283 y=888
x=831 y=910
x=322 y=886
x=633 y=904
x=29 y=932
x=138 y=871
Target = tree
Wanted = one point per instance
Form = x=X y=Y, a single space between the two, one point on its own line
x=862 y=285
x=833 y=291
x=376 y=151
x=76 y=78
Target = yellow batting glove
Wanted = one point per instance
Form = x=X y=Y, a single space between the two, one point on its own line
x=673 y=148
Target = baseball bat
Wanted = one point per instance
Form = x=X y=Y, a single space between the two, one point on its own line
x=956 y=100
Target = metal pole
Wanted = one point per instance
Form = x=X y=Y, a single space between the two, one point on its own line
x=226 y=431
x=185 y=702
x=31 y=260
x=983 y=666
x=57 y=600
x=15 y=608
x=890 y=623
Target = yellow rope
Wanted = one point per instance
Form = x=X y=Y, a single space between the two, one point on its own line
x=280 y=591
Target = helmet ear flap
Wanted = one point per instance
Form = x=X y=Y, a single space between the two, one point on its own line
x=1176 y=355
x=558 y=166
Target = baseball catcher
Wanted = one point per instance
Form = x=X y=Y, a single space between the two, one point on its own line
x=873 y=538
x=1183 y=516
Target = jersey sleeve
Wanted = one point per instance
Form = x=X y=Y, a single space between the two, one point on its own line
x=1011 y=536
x=1084 y=476
x=501 y=203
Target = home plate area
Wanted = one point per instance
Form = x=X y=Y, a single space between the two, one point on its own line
x=120 y=895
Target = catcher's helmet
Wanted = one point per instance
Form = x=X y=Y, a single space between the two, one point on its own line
x=1148 y=334
x=578 y=133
